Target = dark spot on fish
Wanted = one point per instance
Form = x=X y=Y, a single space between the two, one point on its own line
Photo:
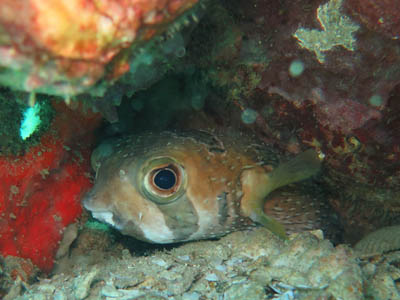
x=181 y=218
x=222 y=208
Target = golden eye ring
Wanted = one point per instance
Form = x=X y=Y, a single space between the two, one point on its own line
x=163 y=180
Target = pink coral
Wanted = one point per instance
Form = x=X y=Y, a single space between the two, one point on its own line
x=345 y=115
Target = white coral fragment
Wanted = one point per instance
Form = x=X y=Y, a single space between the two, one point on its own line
x=337 y=30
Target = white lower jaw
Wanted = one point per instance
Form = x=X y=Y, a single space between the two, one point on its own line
x=106 y=217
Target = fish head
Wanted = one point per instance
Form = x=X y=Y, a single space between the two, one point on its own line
x=159 y=190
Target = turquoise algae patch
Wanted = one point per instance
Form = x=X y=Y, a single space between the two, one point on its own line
x=21 y=125
x=30 y=121
x=95 y=225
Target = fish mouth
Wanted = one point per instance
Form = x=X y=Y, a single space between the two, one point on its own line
x=91 y=203
x=87 y=201
x=103 y=215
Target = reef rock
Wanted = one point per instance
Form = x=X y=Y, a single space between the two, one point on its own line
x=319 y=74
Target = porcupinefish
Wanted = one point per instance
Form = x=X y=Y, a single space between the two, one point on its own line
x=171 y=187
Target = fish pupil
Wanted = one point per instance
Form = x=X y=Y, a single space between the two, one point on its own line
x=165 y=179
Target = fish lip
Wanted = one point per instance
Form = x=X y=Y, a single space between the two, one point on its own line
x=88 y=195
x=88 y=201
x=85 y=205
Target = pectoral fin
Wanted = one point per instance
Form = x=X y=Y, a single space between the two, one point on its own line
x=303 y=166
x=257 y=184
x=271 y=224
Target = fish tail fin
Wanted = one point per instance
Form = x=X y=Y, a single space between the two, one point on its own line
x=301 y=167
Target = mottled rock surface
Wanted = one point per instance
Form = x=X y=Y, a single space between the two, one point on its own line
x=251 y=264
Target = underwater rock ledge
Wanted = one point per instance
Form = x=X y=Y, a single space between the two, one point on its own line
x=252 y=264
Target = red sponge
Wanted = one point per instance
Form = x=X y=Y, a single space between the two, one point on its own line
x=40 y=192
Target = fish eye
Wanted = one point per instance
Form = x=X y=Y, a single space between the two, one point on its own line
x=163 y=180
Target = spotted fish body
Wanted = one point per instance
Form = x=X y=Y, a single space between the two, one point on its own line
x=171 y=187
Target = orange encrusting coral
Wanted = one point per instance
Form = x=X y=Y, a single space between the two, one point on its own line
x=40 y=192
x=68 y=45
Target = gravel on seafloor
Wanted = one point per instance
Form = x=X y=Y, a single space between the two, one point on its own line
x=243 y=265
